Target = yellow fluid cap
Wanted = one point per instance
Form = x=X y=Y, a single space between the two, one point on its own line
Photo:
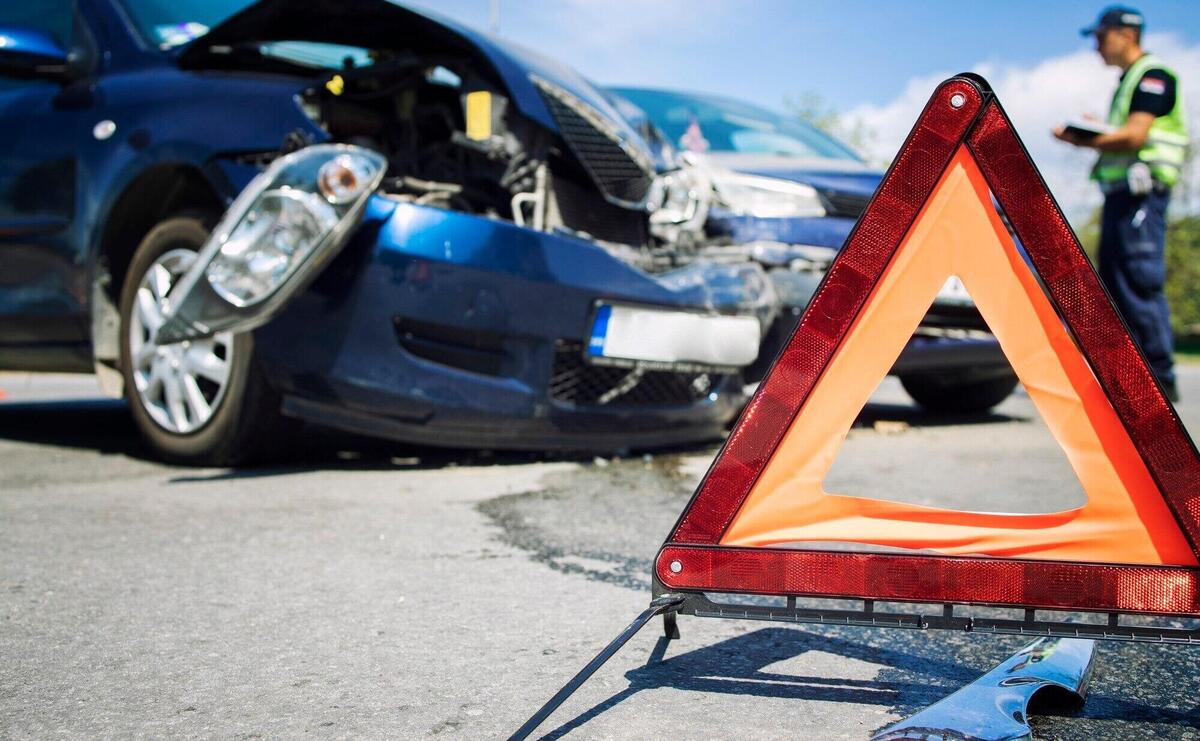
x=479 y=115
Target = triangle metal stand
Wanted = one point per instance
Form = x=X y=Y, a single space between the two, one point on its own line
x=665 y=605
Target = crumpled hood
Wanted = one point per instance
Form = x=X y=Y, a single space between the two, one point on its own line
x=380 y=24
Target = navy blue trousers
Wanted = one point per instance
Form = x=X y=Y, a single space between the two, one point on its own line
x=1133 y=267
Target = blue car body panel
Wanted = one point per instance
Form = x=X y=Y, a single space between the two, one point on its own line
x=821 y=231
x=480 y=276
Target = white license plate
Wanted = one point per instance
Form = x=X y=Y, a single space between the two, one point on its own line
x=662 y=336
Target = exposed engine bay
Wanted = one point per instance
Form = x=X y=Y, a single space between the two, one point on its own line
x=454 y=141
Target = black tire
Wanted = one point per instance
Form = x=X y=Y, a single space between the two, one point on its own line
x=954 y=395
x=246 y=417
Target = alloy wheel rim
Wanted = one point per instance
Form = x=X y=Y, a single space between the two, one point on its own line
x=181 y=384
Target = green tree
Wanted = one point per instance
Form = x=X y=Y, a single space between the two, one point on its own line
x=812 y=108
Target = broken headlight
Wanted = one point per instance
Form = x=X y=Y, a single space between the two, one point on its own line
x=753 y=195
x=289 y=218
x=282 y=227
x=287 y=224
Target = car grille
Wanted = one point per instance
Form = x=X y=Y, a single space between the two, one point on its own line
x=575 y=381
x=622 y=172
x=580 y=210
x=849 y=205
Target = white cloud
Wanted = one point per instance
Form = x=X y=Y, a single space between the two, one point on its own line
x=1037 y=98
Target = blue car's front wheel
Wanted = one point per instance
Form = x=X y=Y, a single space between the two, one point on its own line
x=201 y=401
x=181 y=385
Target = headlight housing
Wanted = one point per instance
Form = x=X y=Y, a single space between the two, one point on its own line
x=287 y=224
x=754 y=195
x=678 y=204
x=282 y=227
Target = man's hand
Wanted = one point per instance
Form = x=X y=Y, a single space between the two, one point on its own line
x=1129 y=138
x=1070 y=137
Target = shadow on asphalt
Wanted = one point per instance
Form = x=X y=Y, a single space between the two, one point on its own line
x=911 y=680
x=740 y=666
x=1106 y=707
x=104 y=425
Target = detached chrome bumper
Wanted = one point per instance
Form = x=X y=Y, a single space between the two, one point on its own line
x=995 y=707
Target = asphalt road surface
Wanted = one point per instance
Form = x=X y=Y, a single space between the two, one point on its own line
x=371 y=590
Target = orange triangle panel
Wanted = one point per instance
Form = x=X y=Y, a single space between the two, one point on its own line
x=1132 y=547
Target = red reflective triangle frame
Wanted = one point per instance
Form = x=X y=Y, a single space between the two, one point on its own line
x=962 y=112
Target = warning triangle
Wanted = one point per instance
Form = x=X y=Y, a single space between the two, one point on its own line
x=1132 y=547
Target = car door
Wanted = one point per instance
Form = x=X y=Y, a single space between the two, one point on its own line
x=43 y=279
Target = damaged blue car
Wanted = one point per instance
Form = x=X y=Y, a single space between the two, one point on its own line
x=354 y=214
x=787 y=195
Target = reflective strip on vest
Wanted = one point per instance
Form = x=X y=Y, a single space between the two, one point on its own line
x=1166 y=143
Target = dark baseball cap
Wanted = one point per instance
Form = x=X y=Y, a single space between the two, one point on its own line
x=1115 y=16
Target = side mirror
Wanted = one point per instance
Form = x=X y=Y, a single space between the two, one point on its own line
x=27 y=53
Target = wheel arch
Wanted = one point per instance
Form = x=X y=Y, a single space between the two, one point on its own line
x=154 y=194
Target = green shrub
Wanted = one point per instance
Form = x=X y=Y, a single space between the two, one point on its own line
x=1183 y=274
x=1183 y=268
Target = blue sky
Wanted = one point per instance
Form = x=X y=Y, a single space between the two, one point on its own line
x=850 y=52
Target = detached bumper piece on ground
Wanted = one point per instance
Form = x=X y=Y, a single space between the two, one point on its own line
x=995 y=707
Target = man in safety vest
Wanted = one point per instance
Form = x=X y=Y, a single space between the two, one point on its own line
x=1142 y=151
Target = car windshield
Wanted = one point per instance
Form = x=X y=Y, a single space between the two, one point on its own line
x=171 y=23
x=701 y=123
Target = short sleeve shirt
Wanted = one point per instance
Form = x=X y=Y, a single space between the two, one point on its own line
x=1154 y=94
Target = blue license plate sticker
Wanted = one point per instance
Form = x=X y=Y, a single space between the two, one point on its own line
x=599 y=331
